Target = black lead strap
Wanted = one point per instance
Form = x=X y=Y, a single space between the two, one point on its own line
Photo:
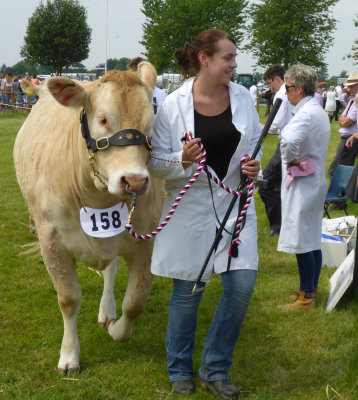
x=242 y=184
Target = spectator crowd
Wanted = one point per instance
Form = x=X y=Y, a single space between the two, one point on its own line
x=12 y=93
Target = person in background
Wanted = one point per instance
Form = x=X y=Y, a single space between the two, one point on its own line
x=304 y=145
x=158 y=94
x=348 y=122
x=324 y=95
x=331 y=103
x=8 y=87
x=221 y=115
x=267 y=95
x=319 y=98
x=16 y=90
x=338 y=98
x=35 y=80
x=271 y=194
x=253 y=92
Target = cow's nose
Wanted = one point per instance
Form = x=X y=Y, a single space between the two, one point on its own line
x=136 y=183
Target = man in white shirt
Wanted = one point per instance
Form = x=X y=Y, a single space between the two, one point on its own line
x=253 y=92
x=271 y=194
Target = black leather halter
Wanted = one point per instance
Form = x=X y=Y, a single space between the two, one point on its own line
x=125 y=137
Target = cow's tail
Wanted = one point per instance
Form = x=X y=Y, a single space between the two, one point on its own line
x=29 y=88
x=32 y=249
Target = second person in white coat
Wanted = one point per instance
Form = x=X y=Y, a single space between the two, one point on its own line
x=304 y=145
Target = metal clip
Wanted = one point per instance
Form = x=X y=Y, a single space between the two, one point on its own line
x=197 y=288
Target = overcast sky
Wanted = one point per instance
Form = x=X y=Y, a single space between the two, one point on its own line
x=125 y=31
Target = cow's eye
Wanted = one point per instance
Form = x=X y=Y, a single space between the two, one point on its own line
x=103 y=121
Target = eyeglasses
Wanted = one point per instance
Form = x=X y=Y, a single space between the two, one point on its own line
x=287 y=87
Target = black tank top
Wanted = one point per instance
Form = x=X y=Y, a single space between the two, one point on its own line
x=219 y=138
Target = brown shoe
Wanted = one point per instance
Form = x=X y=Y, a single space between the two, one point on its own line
x=302 y=301
x=295 y=293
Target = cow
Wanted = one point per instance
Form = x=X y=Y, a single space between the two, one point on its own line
x=63 y=174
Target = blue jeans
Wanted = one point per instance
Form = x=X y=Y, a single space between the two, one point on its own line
x=238 y=287
x=309 y=267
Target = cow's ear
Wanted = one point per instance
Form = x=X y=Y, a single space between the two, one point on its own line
x=67 y=92
x=147 y=74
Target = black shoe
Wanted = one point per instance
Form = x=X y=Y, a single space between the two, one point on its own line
x=183 y=387
x=222 y=388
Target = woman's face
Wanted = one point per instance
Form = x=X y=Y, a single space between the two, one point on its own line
x=221 y=65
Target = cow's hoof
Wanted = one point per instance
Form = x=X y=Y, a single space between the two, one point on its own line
x=68 y=371
x=120 y=330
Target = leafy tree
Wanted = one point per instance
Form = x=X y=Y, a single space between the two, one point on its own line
x=22 y=66
x=354 y=55
x=171 y=23
x=322 y=74
x=121 y=64
x=258 y=76
x=57 y=35
x=286 y=32
x=111 y=63
x=76 y=67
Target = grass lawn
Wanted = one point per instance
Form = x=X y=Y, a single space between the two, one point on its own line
x=307 y=355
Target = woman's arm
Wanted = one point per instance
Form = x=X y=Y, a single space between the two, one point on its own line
x=166 y=162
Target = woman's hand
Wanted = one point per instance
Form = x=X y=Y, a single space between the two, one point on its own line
x=349 y=142
x=297 y=162
x=191 y=152
x=251 y=168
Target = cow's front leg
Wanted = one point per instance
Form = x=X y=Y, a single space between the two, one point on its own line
x=62 y=269
x=107 y=307
x=138 y=289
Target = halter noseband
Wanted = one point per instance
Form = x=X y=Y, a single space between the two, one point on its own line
x=125 y=137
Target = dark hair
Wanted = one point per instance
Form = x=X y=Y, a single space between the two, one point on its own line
x=133 y=65
x=187 y=57
x=274 y=70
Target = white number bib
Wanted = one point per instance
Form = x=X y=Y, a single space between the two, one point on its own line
x=104 y=223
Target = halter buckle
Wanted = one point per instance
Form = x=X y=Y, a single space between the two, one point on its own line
x=106 y=145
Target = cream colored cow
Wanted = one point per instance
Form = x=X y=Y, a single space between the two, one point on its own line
x=57 y=180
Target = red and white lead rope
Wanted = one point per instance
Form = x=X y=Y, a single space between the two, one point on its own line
x=238 y=227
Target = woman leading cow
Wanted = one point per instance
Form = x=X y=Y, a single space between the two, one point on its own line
x=220 y=114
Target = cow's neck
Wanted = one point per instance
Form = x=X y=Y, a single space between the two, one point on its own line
x=86 y=192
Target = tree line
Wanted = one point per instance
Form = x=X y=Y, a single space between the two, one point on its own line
x=273 y=31
x=22 y=66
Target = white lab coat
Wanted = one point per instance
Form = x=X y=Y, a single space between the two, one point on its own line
x=181 y=248
x=306 y=136
x=253 y=93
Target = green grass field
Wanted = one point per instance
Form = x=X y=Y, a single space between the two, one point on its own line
x=307 y=355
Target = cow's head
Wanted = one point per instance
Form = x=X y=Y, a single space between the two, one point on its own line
x=118 y=101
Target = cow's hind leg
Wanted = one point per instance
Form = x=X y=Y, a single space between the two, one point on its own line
x=107 y=307
x=138 y=289
x=62 y=269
